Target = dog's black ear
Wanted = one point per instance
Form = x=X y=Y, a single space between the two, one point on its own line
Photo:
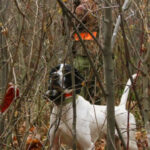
x=78 y=81
x=55 y=98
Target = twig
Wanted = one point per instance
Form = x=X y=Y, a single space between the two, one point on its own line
x=20 y=11
x=4 y=7
x=91 y=62
x=127 y=56
x=33 y=36
x=124 y=7
x=120 y=135
x=71 y=15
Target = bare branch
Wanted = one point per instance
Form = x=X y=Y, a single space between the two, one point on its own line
x=124 y=8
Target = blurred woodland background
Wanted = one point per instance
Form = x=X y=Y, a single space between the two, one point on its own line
x=36 y=35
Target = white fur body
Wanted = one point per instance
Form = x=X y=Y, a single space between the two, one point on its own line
x=91 y=124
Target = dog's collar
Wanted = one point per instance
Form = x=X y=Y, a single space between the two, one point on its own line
x=68 y=98
x=68 y=95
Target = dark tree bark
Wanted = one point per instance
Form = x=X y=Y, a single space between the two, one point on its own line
x=109 y=76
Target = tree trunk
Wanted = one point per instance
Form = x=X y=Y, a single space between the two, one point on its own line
x=109 y=76
x=146 y=95
x=146 y=104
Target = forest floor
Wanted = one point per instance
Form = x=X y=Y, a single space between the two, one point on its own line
x=37 y=138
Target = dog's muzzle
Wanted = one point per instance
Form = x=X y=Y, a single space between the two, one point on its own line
x=55 y=87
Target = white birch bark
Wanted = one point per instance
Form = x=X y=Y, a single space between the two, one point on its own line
x=124 y=8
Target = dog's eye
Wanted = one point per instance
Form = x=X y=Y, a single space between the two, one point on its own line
x=54 y=69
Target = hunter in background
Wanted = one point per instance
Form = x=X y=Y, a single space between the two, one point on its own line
x=87 y=12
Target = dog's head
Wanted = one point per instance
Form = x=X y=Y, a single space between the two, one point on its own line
x=60 y=82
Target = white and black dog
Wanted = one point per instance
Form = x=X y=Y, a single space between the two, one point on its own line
x=91 y=120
